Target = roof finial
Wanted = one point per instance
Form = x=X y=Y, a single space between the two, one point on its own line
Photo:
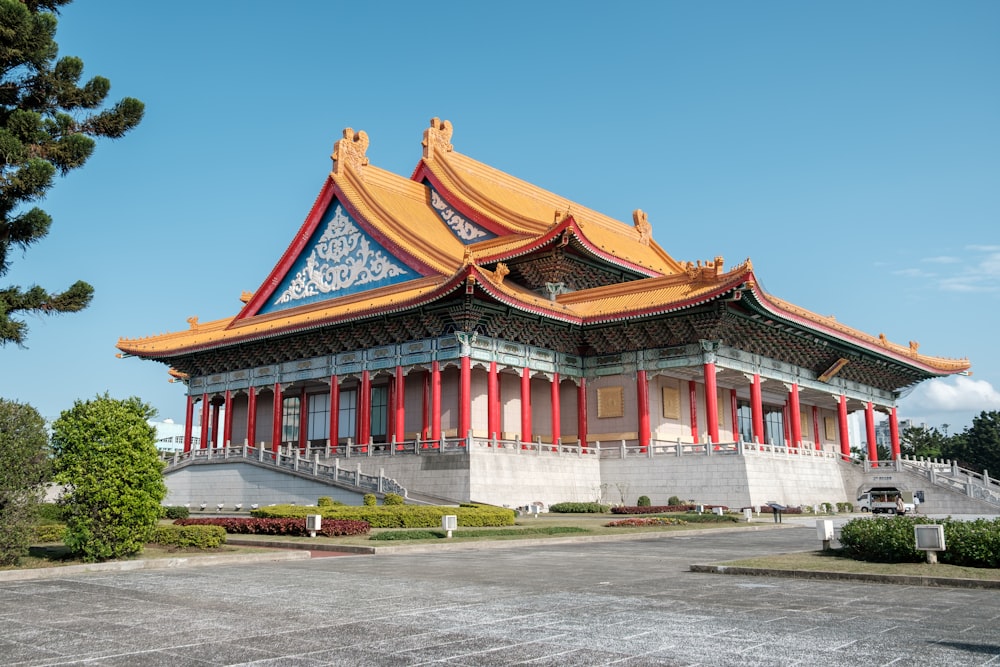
x=642 y=225
x=350 y=151
x=437 y=137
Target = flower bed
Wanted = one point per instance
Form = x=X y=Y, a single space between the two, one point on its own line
x=639 y=522
x=662 y=509
x=255 y=526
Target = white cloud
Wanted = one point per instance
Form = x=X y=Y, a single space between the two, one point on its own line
x=980 y=272
x=942 y=259
x=953 y=401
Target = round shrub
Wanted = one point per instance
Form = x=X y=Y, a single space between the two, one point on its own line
x=643 y=501
x=370 y=500
x=674 y=500
x=392 y=499
x=176 y=512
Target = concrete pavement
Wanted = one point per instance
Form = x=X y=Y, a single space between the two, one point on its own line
x=590 y=603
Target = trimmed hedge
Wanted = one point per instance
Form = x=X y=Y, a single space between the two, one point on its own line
x=643 y=521
x=397 y=516
x=49 y=532
x=891 y=540
x=278 y=526
x=579 y=508
x=176 y=512
x=196 y=537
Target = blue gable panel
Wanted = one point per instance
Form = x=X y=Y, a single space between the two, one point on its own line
x=466 y=231
x=339 y=259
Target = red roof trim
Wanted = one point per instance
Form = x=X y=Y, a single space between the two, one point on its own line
x=291 y=253
x=458 y=203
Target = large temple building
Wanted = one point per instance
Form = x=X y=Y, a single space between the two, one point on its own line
x=482 y=339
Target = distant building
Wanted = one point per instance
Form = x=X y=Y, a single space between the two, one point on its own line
x=169 y=435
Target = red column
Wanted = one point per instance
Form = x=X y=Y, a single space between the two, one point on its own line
x=795 y=416
x=556 y=411
x=465 y=398
x=276 y=418
x=642 y=398
x=227 y=429
x=815 y=414
x=435 y=403
x=894 y=433
x=693 y=403
x=526 y=405
x=251 y=416
x=334 y=410
x=493 y=402
x=757 y=409
x=400 y=395
x=188 y=422
x=581 y=412
x=845 y=445
x=303 y=420
x=215 y=424
x=787 y=425
x=711 y=402
x=870 y=432
x=365 y=410
x=205 y=420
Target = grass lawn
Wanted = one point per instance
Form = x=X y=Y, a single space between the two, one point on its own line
x=832 y=561
x=57 y=555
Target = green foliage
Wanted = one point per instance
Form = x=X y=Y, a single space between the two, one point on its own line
x=193 y=537
x=709 y=517
x=24 y=468
x=176 y=512
x=392 y=499
x=891 y=540
x=643 y=501
x=674 y=500
x=105 y=454
x=327 y=501
x=845 y=507
x=50 y=513
x=398 y=516
x=370 y=500
x=48 y=532
x=49 y=122
x=977 y=447
x=920 y=441
x=579 y=508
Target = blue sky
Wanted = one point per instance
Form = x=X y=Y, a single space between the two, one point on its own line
x=850 y=149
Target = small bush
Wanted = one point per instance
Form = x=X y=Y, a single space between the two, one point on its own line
x=845 y=507
x=192 y=536
x=370 y=500
x=176 y=512
x=327 y=501
x=579 y=508
x=674 y=500
x=641 y=522
x=392 y=499
x=49 y=532
x=643 y=501
x=50 y=513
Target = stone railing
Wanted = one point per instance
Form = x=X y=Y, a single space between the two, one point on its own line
x=291 y=458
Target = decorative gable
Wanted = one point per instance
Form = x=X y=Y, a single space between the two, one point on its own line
x=339 y=259
x=466 y=230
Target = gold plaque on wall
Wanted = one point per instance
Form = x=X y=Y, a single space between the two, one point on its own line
x=610 y=402
x=671 y=403
x=830 y=426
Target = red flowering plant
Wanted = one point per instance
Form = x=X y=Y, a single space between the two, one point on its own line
x=291 y=527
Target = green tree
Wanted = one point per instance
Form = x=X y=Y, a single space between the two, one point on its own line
x=48 y=125
x=24 y=469
x=105 y=454
x=978 y=446
x=921 y=441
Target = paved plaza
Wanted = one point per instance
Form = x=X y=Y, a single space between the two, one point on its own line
x=586 y=603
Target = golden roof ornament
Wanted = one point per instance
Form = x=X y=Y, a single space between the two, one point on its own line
x=350 y=151
x=641 y=221
x=193 y=321
x=245 y=296
x=501 y=272
x=707 y=272
x=437 y=137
